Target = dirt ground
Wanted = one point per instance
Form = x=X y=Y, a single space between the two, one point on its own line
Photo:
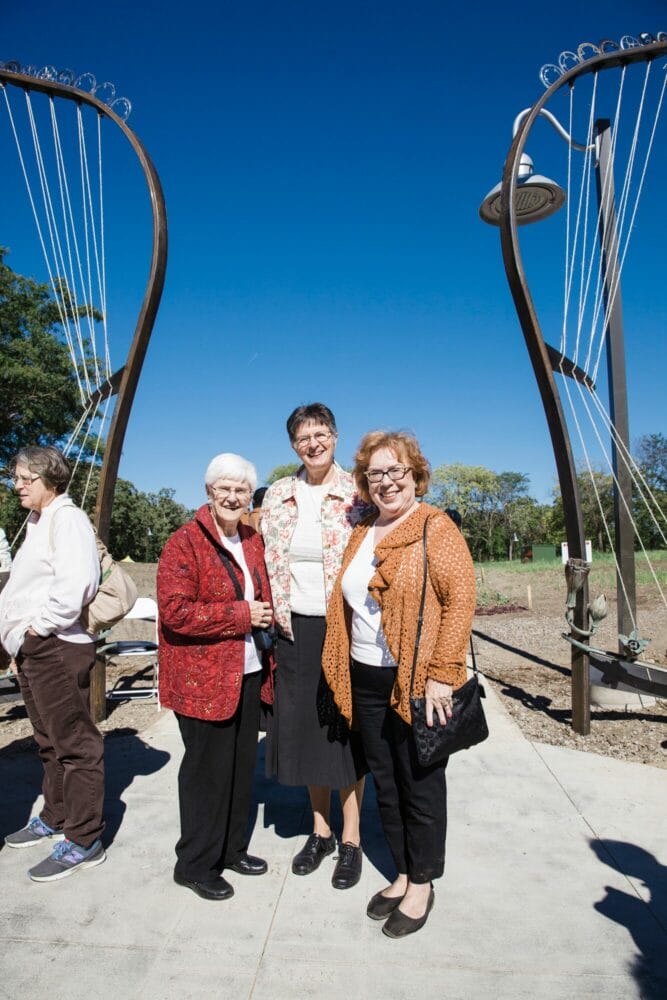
x=520 y=651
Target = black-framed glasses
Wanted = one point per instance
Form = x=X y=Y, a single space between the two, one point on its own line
x=23 y=480
x=395 y=472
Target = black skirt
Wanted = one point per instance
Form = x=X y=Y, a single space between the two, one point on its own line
x=307 y=740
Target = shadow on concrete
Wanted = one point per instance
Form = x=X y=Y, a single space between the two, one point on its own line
x=645 y=921
x=287 y=810
x=126 y=757
x=522 y=652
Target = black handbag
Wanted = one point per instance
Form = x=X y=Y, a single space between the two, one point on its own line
x=467 y=726
x=264 y=638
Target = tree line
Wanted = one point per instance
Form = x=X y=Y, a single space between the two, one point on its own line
x=38 y=405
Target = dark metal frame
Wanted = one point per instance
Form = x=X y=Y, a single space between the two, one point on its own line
x=124 y=382
x=542 y=356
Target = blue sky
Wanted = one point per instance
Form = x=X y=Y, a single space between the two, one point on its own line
x=323 y=163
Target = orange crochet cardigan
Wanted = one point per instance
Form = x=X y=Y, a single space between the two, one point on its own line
x=397 y=586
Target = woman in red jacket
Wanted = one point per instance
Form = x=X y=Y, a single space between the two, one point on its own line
x=214 y=606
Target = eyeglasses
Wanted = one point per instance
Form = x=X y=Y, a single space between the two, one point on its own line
x=23 y=480
x=225 y=491
x=321 y=437
x=395 y=473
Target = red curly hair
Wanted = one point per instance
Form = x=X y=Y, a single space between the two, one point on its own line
x=405 y=447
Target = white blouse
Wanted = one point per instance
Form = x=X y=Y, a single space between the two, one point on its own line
x=234 y=545
x=368 y=643
x=306 y=559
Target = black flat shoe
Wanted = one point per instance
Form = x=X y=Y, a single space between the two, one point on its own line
x=348 y=867
x=213 y=888
x=249 y=865
x=400 y=925
x=311 y=854
x=381 y=906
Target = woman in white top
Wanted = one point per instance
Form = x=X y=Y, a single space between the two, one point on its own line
x=55 y=573
x=306 y=522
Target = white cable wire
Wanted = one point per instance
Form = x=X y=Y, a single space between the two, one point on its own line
x=40 y=235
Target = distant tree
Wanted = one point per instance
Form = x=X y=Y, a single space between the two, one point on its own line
x=651 y=456
x=650 y=511
x=596 y=490
x=39 y=396
x=483 y=498
x=280 y=471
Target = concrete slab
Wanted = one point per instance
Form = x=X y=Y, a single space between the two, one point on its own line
x=556 y=886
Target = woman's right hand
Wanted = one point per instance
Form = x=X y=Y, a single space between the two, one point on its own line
x=260 y=614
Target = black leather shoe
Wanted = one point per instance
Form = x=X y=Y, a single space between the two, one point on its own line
x=400 y=925
x=213 y=888
x=249 y=865
x=310 y=856
x=381 y=906
x=348 y=867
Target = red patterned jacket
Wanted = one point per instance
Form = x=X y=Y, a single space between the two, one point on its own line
x=202 y=625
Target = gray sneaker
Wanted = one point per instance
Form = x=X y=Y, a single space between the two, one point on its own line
x=67 y=858
x=36 y=832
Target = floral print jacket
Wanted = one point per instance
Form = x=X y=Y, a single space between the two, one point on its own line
x=342 y=509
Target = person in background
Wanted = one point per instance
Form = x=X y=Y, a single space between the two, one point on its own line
x=306 y=521
x=213 y=598
x=372 y=626
x=55 y=573
x=254 y=516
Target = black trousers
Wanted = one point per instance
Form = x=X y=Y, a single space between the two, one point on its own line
x=412 y=800
x=55 y=683
x=215 y=786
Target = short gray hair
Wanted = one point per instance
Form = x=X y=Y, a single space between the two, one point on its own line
x=231 y=466
x=49 y=464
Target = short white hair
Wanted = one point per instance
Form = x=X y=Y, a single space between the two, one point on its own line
x=231 y=466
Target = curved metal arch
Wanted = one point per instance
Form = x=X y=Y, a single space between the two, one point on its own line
x=124 y=382
x=538 y=350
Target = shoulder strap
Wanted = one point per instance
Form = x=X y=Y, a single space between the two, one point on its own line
x=420 y=618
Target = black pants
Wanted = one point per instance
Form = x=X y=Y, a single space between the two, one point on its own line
x=412 y=800
x=55 y=683
x=215 y=786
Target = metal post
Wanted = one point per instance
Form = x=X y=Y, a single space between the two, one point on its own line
x=618 y=394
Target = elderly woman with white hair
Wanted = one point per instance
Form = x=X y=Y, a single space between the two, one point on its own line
x=214 y=605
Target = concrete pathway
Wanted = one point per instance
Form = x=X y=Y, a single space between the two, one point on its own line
x=556 y=887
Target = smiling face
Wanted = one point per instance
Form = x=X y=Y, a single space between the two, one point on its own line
x=229 y=500
x=393 y=498
x=315 y=444
x=32 y=491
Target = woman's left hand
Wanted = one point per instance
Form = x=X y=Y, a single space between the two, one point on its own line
x=438 y=701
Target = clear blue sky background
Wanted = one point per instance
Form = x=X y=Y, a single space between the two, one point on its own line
x=323 y=163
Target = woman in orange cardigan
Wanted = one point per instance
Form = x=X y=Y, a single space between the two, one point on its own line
x=368 y=655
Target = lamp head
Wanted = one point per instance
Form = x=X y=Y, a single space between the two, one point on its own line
x=535 y=198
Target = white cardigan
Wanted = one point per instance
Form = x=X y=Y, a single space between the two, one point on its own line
x=55 y=572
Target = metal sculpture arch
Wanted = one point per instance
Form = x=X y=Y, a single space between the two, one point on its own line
x=546 y=359
x=124 y=381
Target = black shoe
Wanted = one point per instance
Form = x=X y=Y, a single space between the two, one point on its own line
x=211 y=888
x=381 y=906
x=249 y=865
x=400 y=925
x=348 y=867
x=310 y=856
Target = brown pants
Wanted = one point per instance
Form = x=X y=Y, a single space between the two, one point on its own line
x=55 y=681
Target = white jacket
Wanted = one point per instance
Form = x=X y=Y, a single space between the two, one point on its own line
x=5 y=553
x=55 y=572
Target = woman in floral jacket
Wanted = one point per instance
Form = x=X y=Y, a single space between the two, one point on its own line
x=306 y=522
